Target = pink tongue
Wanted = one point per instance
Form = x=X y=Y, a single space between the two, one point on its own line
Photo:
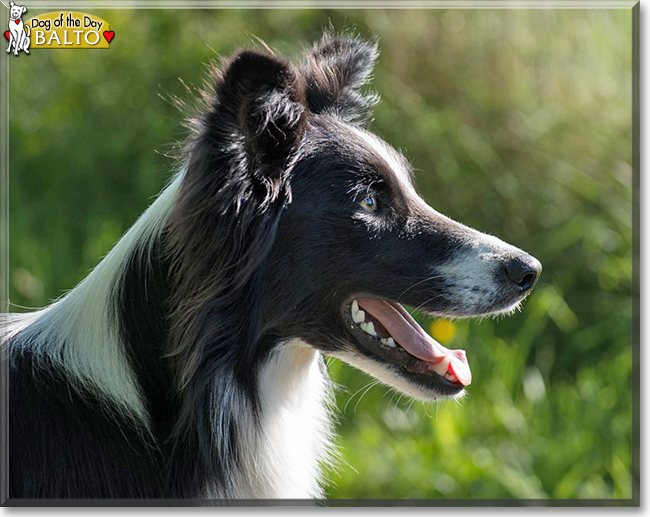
x=412 y=338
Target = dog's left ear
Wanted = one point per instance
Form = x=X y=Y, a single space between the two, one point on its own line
x=336 y=70
x=24 y=10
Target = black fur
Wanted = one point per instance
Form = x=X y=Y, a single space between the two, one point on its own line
x=336 y=70
x=235 y=189
x=63 y=444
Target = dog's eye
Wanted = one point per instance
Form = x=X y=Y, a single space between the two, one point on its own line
x=369 y=203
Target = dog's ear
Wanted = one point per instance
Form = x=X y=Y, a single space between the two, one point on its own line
x=11 y=4
x=260 y=102
x=24 y=10
x=235 y=187
x=335 y=70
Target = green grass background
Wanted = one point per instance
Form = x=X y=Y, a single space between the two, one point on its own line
x=518 y=123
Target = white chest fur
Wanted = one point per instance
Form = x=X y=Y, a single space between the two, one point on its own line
x=294 y=437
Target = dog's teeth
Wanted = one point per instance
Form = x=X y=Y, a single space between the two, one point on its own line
x=441 y=367
x=369 y=328
x=390 y=342
x=359 y=316
x=355 y=307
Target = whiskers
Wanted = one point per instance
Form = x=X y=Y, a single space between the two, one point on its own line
x=397 y=411
x=423 y=280
x=363 y=390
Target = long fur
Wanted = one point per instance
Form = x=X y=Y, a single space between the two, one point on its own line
x=189 y=362
x=164 y=335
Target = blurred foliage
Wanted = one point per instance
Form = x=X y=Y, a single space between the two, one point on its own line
x=518 y=123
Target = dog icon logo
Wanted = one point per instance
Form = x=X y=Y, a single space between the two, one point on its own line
x=19 y=33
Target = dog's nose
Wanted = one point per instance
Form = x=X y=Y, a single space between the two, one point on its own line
x=523 y=271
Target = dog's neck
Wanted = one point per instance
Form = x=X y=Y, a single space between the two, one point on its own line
x=282 y=454
x=282 y=439
x=296 y=431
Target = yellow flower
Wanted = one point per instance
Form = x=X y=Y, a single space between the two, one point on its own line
x=443 y=331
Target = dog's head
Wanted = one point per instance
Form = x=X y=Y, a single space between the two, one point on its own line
x=315 y=229
x=16 y=11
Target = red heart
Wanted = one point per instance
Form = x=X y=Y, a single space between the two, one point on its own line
x=109 y=35
x=17 y=22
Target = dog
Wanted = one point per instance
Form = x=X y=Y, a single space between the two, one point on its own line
x=19 y=33
x=189 y=362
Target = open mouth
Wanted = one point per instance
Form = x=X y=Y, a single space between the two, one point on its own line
x=386 y=329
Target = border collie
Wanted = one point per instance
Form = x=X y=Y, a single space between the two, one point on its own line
x=189 y=363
